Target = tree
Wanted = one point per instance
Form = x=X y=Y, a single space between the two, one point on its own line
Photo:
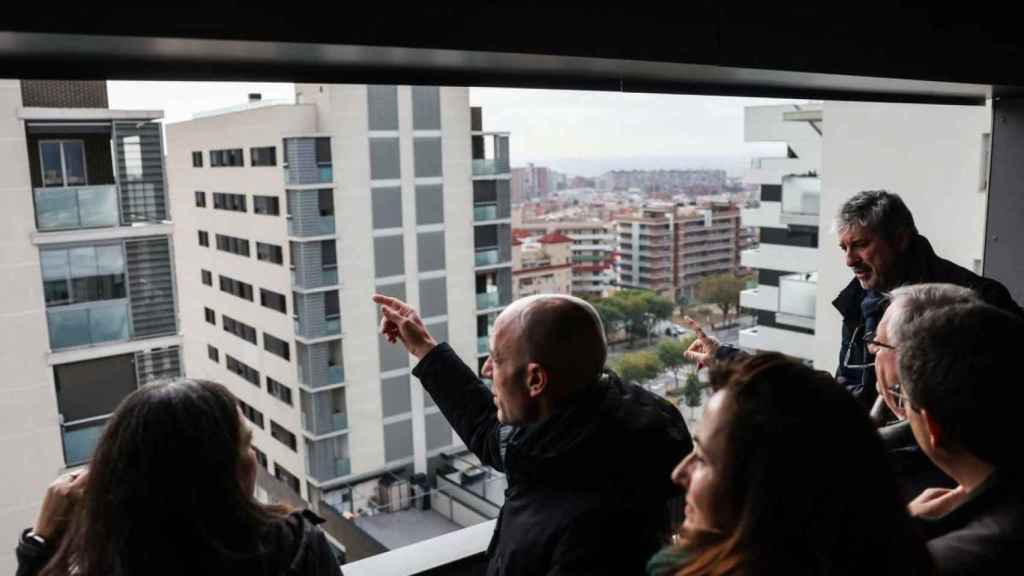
x=638 y=367
x=670 y=353
x=692 y=392
x=611 y=315
x=723 y=291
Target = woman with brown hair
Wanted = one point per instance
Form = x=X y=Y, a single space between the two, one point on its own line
x=788 y=476
x=170 y=491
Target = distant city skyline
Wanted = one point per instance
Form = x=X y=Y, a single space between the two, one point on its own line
x=575 y=132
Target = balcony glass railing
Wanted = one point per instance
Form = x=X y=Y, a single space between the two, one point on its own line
x=339 y=421
x=490 y=166
x=313 y=226
x=335 y=374
x=80 y=440
x=483 y=344
x=342 y=467
x=485 y=212
x=801 y=195
x=76 y=207
x=487 y=257
x=88 y=324
x=798 y=294
x=488 y=300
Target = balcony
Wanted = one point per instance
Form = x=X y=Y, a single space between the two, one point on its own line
x=319 y=364
x=323 y=412
x=769 y=339
x=462 y=552
x=760 y=298
x=328 y=458
x=490 y=154
x=801 y=200
x=483 y=213
x=307 y=161
x=310 y=213
x=490 y=167
x=778 y=257
x=488 y=300
x=489 y=257
x=316 y=315
x=88 y=324
x=798 y=294
x=76 y=207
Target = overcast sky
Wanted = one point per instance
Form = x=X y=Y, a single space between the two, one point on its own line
x=572 y=131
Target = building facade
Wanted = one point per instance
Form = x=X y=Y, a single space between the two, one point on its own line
x=298 y=214
x=592 y=253
x=90 y=306
x=541 y=265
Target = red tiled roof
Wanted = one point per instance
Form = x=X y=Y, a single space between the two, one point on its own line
x=555 y=238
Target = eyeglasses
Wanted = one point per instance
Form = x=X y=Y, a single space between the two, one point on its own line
x=899 y=398
x=868 y=339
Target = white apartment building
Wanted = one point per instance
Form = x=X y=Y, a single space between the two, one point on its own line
x=88 y=311
x=783 y=303
x=934 y=157
x=292 y=216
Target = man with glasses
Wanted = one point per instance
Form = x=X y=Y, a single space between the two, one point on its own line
x=956 y=365
x=884 y=250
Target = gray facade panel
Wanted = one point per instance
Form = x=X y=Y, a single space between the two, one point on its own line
x=384 y=159
x=388 y=256
x=433 y=297
x=382 y=106
x=387 y=207
x=439 y=432
x=427 y=156
x=392 y=356
x=430 y=251
x=395 y=398
x=398 y=440
x=429 y=204
x=426 y=108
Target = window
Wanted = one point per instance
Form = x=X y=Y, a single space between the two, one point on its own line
x=326 y=200
x=62 y=163
x=251 y=414
x=228 y=157
x=236 y=287
x=261 y=458
x=269 y=253
x=263 y=156
x=213 y=353
x=287 y=477
x=211 y=316
x=207 y=277
x=83 y=274
x=204 y=238
x=239 y=246
x=282 y=435
x=132 y=155
x=197 y=159
x=240 y=329
x=87 y=392
x=328 y=254
x=323 y=151
x=279 y=391
x=245 y=371
x=232 y=202
x=200 y=199
x=269 y=205
x=273 y=300
x=331 y=307
x=276 y=346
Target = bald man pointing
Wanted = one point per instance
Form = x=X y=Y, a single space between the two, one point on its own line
x=588 y=458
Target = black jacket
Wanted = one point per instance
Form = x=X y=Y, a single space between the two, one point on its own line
x=984 y=534
x=294 y=547
x=588 y=487
x=922 y=266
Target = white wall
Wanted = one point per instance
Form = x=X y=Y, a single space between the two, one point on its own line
x=29 y=429
x=930 y=156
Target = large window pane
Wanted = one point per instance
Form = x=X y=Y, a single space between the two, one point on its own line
x=94 y=387
x=132 y=157
x=81 y=440
x=74 y=163
x=109 y=260
x=57 y=209
x=83 y=262
x=54 y=264
x=53 y=168
x=68 y=328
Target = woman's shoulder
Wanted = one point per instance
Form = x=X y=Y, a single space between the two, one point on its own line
x=668 y=561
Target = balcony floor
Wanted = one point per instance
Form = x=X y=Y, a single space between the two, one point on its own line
x=397 y=529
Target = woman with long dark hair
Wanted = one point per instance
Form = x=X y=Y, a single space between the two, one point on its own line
x=788 y=476
x=170 y=491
